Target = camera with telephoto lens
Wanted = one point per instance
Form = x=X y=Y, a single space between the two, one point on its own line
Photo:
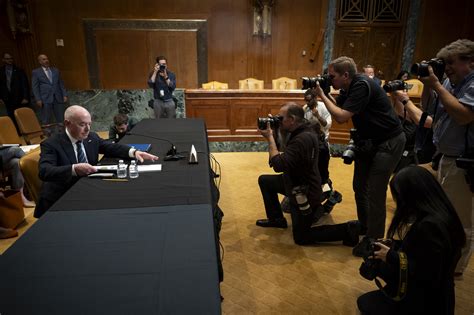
x=349 y=153
x=421 y=68
x=323 y=80
x=274 y=122
x=396 y=85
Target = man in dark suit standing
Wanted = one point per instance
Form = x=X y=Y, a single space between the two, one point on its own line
x=67 y=156
x=14 y=91
x=48 y=90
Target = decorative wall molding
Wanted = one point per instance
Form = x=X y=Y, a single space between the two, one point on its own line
x=91 y=25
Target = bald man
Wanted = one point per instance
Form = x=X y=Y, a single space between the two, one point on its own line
x=48 y=90
x=63 y=160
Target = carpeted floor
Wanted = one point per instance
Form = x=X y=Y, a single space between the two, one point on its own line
x=265 y=272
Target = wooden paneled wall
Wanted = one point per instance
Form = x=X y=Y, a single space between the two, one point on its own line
x=233 y=52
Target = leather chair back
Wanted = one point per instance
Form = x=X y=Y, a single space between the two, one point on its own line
x=8 y=134
x=251 y=84
x=284 y=83
x=215 y=85
x=29 y=166
x=29 y=125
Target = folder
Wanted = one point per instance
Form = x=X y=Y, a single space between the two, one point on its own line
x=144 y=147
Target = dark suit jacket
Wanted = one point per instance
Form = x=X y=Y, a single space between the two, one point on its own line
x=45 y=91
x=57 y=156
x=18 y=87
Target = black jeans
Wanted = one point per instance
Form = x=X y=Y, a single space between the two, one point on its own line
x=303 y=233
x=375 y=303
x=371 y=176
x=323 y=165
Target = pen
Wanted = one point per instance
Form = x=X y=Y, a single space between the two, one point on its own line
x=116 y=179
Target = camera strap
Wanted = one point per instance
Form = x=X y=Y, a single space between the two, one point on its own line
x=402 y=279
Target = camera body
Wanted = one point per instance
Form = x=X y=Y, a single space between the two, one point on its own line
x=421 y=68
x=311 y=82
x=274 y=122
x=162 y=68
x=396 y=85
x=370 y=268
x=350 y=152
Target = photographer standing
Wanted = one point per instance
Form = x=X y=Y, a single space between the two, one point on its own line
x=379 y=142
x=453 y=129
x=163 y=83
x=419 y=266
x=300 y=181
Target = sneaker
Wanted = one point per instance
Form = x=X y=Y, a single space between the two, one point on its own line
x=352 y=236
x=278 y=223
x=363 y=249
x=334 y=198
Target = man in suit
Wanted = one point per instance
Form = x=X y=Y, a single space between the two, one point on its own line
x=67 y=156
x=14 y=91
x=48 y=90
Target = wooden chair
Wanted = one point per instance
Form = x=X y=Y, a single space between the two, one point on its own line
x=251 y=84
x=416 y=89
x=30 y=127
x=215 y=85
x=284 y=83
x=29 y=166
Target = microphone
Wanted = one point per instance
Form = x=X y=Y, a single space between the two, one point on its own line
x=171 y=155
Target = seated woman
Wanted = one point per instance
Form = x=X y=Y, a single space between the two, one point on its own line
x=10 y=157
x=431 y=236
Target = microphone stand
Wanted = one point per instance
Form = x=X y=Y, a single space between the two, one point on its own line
x=171 y=155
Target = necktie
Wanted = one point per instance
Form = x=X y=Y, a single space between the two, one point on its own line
x=81 y=158
x=49 y=75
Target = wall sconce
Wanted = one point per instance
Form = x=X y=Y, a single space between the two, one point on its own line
x=262 y=17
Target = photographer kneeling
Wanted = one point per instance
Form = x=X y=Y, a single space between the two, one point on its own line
x=419 y=266
x=300 y=181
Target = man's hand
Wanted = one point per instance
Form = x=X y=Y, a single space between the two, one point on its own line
x=156 y=68
x=39 y=104
x=267 y=133
x=400 y=95
x=430 y=81
x=24 y=101
x=317 y=90
x=142 y=156
x=84 y=169
x=163 y=74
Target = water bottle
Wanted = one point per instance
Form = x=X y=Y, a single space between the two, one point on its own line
x=133 y=169
x=121 y=169
x=301 y=200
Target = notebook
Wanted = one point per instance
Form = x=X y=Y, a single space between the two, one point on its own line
x=145 y=147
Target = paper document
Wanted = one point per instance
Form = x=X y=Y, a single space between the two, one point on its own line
x=149 y=168
x=28 y=148
x=102 y=175
x=106 y=167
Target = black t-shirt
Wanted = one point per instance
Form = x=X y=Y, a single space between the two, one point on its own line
x=374 y=117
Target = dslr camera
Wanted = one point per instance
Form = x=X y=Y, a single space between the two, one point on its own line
x=421 y=68
x=349 y=153
x=323 y=80
x=396 y=85
x=274 y=122
x=370 y=267
x=162 y=68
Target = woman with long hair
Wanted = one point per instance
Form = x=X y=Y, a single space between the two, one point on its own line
x=428 y=232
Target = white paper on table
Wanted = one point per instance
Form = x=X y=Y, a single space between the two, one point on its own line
x=149 y=168
x=106 y=167
x=28 y=148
